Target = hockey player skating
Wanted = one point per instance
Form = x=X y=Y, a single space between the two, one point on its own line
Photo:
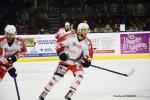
x=62 y=33
x=11 y=48
x=75 y=53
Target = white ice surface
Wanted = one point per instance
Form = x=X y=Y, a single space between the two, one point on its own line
x=97 y=84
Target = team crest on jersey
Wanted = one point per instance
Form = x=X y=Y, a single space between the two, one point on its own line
x=8 y=50
x=79 y=46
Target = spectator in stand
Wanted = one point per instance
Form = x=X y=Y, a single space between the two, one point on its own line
x=116 y=28
x=43 y=31
x=132 y=27
x=147 y=24
x=23 y=28
x=96 y=28
x=140 y=26
x=113 y=8
x=107 y=28
x=140 y=9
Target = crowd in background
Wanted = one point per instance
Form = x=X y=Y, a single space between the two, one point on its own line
x=33 y=16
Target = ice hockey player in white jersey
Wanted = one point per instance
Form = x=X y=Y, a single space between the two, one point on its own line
x=75 y=56
x=63 y=32
x=11 y=48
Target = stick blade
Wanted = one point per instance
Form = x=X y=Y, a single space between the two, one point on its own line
x=131 y=72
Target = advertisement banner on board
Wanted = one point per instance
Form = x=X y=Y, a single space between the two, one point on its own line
x=149 y=42
x=40 y=46
x=103 y=43
x=134 y=43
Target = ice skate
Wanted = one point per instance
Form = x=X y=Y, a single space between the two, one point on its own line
x=69 y=94
x=67 y=98
x=42 y=96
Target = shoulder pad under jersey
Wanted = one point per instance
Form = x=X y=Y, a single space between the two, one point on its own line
x=2 y=39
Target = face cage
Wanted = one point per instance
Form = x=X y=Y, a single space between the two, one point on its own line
x=10 y=33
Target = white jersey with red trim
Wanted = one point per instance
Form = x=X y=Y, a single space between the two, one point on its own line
x=75 y=48
x=17 y=46
x=61 y=32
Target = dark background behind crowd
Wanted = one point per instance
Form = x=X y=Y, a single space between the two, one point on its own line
x=46 y=16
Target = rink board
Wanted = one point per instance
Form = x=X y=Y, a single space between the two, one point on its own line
x=121 y=45
x=136 y=56
x=106 y=46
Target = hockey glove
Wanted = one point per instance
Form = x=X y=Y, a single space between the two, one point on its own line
x=12 y=72
x=12 y=59
x=86 y=64
x=63 y=56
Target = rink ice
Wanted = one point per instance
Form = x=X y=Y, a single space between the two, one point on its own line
x=97 y=84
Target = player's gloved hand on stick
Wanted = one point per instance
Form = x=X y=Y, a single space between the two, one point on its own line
x=86 y=64
x=63 y=56
x=12 y=71
x=12 y=59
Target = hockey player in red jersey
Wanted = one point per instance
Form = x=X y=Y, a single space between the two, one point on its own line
x=11 y=48
x=75 y=56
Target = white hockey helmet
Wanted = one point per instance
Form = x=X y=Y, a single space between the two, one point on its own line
x=82 y=26
x=67 y=23
x=11 y=29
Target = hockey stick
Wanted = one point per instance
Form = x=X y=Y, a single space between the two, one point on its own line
x=16 y=85
x=128 y=74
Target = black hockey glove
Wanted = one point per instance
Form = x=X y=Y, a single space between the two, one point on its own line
x=12 y=59
x=12 y=72
x=86 y=64
x=63 y=56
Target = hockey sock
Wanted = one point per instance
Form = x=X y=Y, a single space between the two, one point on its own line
x=77 y=81
x=50 y=85
x=52 y=82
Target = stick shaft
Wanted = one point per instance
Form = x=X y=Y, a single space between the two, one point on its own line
x=16 y=85
x=110 y=70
